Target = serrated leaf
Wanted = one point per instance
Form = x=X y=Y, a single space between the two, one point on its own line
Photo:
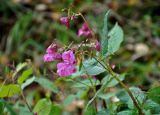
x=154 y=94
x=137 y=93
x=9 y=90
x=43 y=107
x=115 y=39
x=92 y=67
x=104 y=39
x=25 y=75
x=110 y=41
x=47 y=84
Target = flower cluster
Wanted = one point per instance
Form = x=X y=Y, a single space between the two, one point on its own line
x=83 y=31
x=65 y=68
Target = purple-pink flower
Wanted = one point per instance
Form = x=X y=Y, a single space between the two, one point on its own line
x=52 y=54
x=65 y=21
x=98 y=46
x=52 y=48
x=65 y=69
x=84 y=31
x=68 y=57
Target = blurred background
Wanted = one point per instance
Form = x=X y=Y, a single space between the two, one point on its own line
x=28 y=27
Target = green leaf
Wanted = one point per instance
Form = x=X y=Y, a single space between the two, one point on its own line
x=92 y=67
x=22 y=112
x=28 y=82
x=55 y=110
x=69 y=100
x=110 y=42
x=87 y=82
x=103 y=112
x=109 y=81
x=43 y=107
x=115 y=39
x=154 y=94
x=90 y=111
x=25 y=75
x=106 y=96
x=1 y=107
x=47 y=84
x=8 y=107
x=137 y=93
x=152 y=106
x=127 y=112
x=104 y=39
x=9 y=90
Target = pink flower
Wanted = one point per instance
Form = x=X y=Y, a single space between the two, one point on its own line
x=84 y=31
x=98 y=46
x=113 y=66
x=52 y=48
x=52 y=54
x=65 y=21
x=65 y=69
x=68 y=57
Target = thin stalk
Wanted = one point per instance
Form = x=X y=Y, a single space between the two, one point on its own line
x=94 y=89
x=26 y=102
x=123 y=85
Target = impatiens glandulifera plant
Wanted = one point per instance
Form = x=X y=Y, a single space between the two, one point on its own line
x=95 y=64
x=88 y=66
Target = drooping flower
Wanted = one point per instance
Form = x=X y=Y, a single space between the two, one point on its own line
x=84 y=31
x=52 y=54
x=65 y=69
x=68 y=57
x=65 y=21
x=98 y=46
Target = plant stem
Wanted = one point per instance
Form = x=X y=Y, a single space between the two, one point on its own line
x=26 y=102
x=123 y=85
